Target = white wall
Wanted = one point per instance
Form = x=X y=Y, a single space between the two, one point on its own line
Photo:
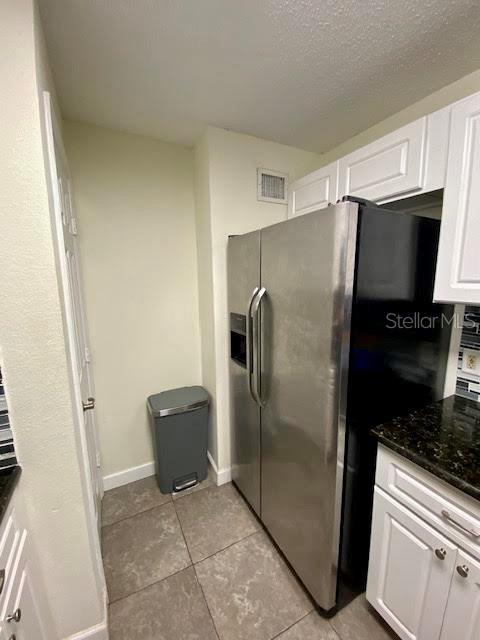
x=229 y=162
x=134 y=198
x=33 y=349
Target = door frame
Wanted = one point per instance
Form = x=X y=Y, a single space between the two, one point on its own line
x=54 y=143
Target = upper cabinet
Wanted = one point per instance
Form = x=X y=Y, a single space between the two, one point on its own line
x=387 y=167
x=438 y=151
x=315 y=191
x=458 y=264
x=410 y=160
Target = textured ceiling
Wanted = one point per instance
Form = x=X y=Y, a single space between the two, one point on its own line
x=303 y=72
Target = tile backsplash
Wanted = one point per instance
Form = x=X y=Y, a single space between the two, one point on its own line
x=468 y=382
x=7 y=449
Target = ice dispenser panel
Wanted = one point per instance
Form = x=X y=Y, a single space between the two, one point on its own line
x=238 y=339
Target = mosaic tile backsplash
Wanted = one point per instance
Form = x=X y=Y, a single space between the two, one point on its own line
x=468 y=380
x=7 y=450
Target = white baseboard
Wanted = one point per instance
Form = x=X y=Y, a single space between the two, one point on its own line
x=129 y=475
x=98 y=632
x=223 y=475
x=120 y=478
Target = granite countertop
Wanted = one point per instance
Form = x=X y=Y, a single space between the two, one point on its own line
x=443 y=438
x=8 y=480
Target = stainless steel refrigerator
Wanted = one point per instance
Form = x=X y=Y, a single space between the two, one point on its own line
x=319 y=353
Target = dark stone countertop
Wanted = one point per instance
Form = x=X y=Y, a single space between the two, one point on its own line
x=8 y=481
x=443 y=438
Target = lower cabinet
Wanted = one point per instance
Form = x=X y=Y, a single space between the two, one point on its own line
x=20 y=614
x=420 y=579
x=19 y=611
x=410 y=570
x=462 y=616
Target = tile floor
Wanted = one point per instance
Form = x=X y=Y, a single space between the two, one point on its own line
x=198 y=566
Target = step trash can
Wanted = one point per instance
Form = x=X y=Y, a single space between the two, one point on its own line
x=179 y=419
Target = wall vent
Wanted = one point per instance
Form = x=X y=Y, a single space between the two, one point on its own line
x=272 y=186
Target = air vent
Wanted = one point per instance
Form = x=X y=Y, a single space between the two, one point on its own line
x=272 y=186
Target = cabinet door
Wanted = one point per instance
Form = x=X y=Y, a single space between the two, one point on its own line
x=458 y=264
x=387 y=167
x=313 y=192
x=462 y=617
x=19 y=613
x=410 y=570
x=28 y=625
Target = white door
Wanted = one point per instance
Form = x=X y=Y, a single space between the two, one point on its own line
x=313 y=192
x=410 y=570
x=387 y=167
x=458 y=263
x=69 y=258
x=79 y=333
x=462 y=618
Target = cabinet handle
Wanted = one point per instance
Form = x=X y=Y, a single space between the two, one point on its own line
x=471 y=532
x=440 y=553
x=16 y=616
x=2 y=579
x=463 y=570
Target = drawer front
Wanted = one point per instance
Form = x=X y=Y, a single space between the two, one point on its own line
x=450 y=511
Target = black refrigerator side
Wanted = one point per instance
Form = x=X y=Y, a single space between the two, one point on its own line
x=398 y=357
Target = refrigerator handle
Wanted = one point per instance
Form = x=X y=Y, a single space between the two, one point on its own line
x=248 y=327
x=256 y=345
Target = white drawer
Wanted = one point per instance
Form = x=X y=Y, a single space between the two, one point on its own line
x=446 y=508
x=9 y=539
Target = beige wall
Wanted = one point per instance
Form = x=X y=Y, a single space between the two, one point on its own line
x=33 y=350
x=134 y=199
x=232 y=160
x=443 y=97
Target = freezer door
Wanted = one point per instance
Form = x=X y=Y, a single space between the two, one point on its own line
x=243 y=282
x=307 y=269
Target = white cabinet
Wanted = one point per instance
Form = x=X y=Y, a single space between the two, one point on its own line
x=410 y=160
x=458 y=264
x=314 y=191
x=388 y=167
x=410 y=570
x=21 y=617
x=20 y=611
x=29 y=623
x=438 y=151
x=420 y=579
x=462 y=616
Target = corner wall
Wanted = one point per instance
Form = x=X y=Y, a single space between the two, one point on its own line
x=227 y=172
x=205 y=283
x=33 y=350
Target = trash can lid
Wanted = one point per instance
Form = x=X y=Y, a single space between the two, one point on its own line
x=180 y=400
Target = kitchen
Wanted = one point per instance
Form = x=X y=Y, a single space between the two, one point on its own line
x=145 y=215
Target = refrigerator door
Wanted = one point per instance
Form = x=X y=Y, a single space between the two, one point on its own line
x=243 y=283
x=307 y=267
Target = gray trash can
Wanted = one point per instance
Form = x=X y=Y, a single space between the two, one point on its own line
x=179 y=420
